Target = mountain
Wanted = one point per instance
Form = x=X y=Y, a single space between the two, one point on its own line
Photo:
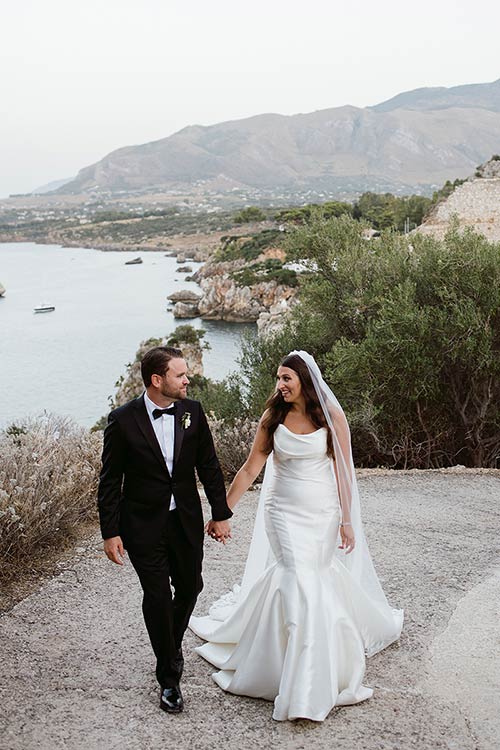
x=50 y=186
x=413 y=141
x=475 y=95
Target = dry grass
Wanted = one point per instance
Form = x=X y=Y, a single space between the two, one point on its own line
x=232 y=442
x=49 y=470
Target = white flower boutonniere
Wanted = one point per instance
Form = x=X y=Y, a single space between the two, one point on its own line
x=186 y=420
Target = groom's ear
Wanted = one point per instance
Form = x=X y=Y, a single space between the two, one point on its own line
x=156 y=380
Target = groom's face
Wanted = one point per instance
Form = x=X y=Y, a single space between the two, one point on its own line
x=175 y=381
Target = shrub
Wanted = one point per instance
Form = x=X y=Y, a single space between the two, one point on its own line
x=303 y=214
x=383 y=211
x=269 y=270
x=48 y=480
x=407 y=332
x=233 y=442
x=185 y=334
x=246 y=215
x=235 y=248
x=224 y=398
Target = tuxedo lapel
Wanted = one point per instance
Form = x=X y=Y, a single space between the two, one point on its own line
x=146 y=427
x=178 y=432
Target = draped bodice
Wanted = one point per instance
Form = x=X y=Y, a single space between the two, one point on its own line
x=302 y=457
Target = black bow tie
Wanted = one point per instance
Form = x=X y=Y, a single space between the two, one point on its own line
x=158 y=412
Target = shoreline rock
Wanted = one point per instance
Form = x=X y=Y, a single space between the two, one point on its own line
x=186 y=310
x=223 y=298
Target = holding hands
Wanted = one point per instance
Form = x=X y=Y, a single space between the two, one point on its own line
x=219 y=530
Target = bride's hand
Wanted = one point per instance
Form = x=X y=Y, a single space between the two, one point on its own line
x=347 y=537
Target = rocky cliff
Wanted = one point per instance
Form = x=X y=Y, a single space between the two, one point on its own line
x=475 y=203
x=130 y=385
x=224 y=298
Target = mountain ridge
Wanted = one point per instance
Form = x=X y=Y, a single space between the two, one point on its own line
x=415 y=140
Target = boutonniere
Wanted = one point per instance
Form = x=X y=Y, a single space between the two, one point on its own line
x=186 y=420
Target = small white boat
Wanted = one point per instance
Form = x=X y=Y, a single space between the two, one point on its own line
x=44 y=308
x=133 y=262
x=2 y=290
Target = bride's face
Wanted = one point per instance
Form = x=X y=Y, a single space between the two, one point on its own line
x=288 y=384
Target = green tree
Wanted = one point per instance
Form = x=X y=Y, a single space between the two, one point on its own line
x=407 y=331
x=249 y=214
x=387 y=211
x=303 y=214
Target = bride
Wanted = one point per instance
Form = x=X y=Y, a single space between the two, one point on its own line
x=310 y=605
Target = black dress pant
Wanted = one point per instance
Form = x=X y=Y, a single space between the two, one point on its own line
x=173 y=561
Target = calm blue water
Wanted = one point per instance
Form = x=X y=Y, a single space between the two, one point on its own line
x=68 y=361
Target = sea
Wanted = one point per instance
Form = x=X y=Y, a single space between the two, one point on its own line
x=67 y=362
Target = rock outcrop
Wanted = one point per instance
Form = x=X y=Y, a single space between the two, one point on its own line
x=186 y=310
x=184 y=295
x=186 y=304
x=223 y=298
x=273 y=320
x=475 y=203
x=130 y=385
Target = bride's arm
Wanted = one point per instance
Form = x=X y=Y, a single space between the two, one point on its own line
x=250 y=469
x=342 y=463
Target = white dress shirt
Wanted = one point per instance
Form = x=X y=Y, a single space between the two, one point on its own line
x=164 y=428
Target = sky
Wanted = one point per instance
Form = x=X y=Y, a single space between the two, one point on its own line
x=80 y=79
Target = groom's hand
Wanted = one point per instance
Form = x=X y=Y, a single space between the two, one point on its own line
x=219 y=530
x=113 y=547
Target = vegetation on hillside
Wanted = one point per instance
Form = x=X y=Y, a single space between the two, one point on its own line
x=302 y=214
x=114 y=227
x=271 y=269
x=249 y=214
x=234 y=247
x=407 y=332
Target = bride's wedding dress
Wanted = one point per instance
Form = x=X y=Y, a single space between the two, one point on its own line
x=298 y=635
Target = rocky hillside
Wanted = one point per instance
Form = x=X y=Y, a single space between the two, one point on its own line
x=475 y=203
x=247 y=280
x=130 y=384
x=412 y=141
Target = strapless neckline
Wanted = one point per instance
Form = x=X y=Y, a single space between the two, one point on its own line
x=300 y=434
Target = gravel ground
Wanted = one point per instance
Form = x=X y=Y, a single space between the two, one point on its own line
x=77 y=671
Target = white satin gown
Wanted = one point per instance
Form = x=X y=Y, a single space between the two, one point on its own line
x=298 y=637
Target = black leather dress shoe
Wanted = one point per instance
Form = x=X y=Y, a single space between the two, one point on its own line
x=171 y=700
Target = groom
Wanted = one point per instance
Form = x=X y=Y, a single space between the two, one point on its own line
x=149 y=504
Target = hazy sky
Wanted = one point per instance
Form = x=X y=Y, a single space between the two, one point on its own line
x=80 y=79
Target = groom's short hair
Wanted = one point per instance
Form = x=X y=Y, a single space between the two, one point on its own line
x=155 y=362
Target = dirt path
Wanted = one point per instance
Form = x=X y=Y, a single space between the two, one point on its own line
x=76 y=667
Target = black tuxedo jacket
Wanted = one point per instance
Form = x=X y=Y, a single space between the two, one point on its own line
x=135 y=485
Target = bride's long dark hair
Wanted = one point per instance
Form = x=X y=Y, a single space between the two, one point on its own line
x=277 y=408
